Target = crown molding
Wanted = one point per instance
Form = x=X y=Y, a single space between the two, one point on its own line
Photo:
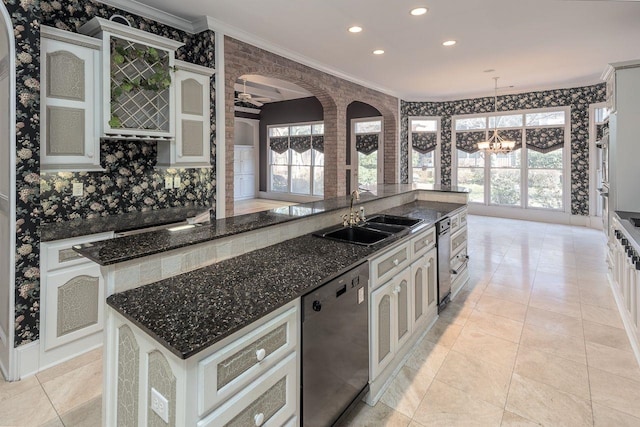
x=209 y=23
x=150 y=12
x=585 y=81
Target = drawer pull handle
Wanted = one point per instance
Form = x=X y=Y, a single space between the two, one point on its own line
x=259 y=419
x=396 y=262
x=261 y=354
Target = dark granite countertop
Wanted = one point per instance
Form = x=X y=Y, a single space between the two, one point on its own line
x=631 y=231
x=192 y=311
x=118 y=223
x=125 y=248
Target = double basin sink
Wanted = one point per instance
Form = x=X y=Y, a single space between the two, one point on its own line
x=374 y=230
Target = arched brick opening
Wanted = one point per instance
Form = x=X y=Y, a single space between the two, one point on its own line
x=334 y=94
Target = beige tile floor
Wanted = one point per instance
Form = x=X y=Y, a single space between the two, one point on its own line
x=69 y=394
x=533 y=339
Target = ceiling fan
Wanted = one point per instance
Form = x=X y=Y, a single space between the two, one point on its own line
x=244 y=96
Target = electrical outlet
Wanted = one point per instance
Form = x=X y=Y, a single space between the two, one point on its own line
x=168 y=182
x=160 y=405
x=176 y=181
x=78 y=189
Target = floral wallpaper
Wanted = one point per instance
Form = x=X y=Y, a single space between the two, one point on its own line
x=578 y=99
x=26 y=25
x=129 y=183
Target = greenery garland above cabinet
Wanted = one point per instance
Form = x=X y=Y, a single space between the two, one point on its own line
x=139 y=95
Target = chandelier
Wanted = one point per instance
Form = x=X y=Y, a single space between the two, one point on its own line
x=496 y=144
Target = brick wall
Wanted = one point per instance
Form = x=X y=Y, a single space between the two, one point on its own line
x=334 y=93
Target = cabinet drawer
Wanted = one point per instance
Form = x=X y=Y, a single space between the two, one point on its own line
x=463 y=218
x=224 y=373
x=60 y=254
x=269 y=401
x=422 y=243
x=457 y=240
x=455 y=223
x=387 y=265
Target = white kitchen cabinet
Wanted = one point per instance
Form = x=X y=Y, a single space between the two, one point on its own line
x=69 y=83
x=72 y=300
x=138 y=92
x=192 y=145
x=459 y=257
x=623 y=92
x=390 y=320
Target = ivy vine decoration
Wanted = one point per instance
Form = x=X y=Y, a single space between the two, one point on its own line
x=157 y=81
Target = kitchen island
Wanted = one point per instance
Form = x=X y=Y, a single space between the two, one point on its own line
x=166 y=340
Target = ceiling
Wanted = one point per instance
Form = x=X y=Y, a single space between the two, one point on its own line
x=531 y=45
x=267 y=89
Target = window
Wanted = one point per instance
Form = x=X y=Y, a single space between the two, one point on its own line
x=424 y=151
x=296 y=159
x=529 y=177
x=367 y=135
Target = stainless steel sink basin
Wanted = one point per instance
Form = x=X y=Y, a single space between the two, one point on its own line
x=394 y=220
x=387 y=228
x=357 y=235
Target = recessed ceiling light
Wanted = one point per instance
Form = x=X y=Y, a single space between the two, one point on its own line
x=449 y=43
x=355 y=29
x=418 y=11
x=489 y=70
x=378 y=52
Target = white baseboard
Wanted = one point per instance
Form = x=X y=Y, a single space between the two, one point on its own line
x=68 y=351
x=27 y=361
x=538 y=215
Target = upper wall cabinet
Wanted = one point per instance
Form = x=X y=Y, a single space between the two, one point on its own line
x=192 y=146
x=138 y=89
x=70 y=78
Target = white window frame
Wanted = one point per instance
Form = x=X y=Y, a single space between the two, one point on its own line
x=437 y=152
x=524 y=194
x=312 y=166
x=354 y=153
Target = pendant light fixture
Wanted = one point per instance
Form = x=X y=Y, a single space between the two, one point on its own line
x=496 y=144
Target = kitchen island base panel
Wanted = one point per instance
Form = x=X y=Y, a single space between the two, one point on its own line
x=379 y=386
x=137 y=362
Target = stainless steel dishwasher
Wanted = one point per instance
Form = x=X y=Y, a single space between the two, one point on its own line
x=335 y=348
x=443 y=241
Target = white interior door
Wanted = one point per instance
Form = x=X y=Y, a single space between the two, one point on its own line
x=7 y=197
x=245 y=159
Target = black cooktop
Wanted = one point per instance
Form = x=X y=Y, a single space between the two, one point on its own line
x=635 y=221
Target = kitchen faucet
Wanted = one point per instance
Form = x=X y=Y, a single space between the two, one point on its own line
x=353 y=218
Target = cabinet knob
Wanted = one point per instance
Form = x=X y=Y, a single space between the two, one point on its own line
x=260 y=354
x=396 y=262
x=396 y=290
x=90 y=154
x=259 y=419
